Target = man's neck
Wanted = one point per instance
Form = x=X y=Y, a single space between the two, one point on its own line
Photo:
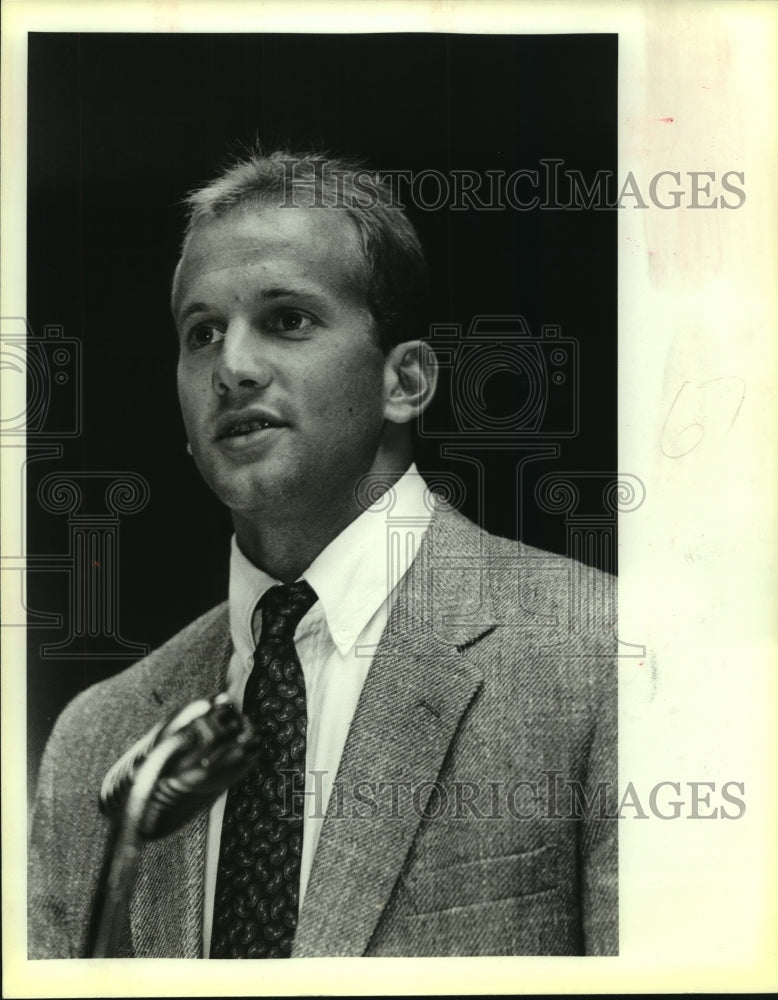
x=284 y=546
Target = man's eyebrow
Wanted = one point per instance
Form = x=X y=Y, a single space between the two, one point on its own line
x=312 y=295
x=271 y=294
x=267 y=295
x=193 y=307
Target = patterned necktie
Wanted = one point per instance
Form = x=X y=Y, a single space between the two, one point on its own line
x=258 y=879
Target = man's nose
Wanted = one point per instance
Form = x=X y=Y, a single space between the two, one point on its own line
x=241 y=361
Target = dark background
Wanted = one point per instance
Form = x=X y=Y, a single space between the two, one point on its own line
x=122 y=125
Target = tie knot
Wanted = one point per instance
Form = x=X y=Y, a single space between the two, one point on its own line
x=283 y=607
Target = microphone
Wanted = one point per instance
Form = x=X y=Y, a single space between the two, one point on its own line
x=160 y=783
x=213 y=745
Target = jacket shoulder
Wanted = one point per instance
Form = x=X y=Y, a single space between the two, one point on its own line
x=552 y=618
x=517 y=571
x=558 y=577
x=173 y=670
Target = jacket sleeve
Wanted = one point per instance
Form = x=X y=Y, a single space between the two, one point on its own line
x=68 y=835
x=599 y=836
x=47 y=933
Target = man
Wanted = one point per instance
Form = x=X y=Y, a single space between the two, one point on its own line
x=449 y=695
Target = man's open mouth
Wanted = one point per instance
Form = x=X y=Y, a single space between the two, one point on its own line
x=246 y=424
x=246 y=427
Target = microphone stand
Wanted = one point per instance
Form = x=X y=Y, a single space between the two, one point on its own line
x=124 y=864
x=160 y=784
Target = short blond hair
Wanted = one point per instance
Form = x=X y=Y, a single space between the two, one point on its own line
x=395 y=277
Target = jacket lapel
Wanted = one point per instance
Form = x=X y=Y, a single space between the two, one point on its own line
x=417 y=689
x=166 y=908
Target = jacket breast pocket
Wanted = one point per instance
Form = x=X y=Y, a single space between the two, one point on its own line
x=484 y=880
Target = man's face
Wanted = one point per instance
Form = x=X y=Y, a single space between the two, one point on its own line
x=280 y=376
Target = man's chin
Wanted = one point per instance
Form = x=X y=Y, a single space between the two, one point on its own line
x=249 y=492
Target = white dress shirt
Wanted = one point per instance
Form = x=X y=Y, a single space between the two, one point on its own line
x=355 y=578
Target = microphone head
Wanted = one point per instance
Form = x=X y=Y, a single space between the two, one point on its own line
x=218 y=745
x=221 y=748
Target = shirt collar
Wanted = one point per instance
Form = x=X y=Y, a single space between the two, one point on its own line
x=354 y=574
x=247 y=585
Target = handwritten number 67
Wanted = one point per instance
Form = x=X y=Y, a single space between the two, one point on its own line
x=705 y=409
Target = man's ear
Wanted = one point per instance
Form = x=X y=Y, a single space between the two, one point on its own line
x=410 y=380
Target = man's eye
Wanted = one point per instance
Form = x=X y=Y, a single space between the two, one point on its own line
x=290 y=321
x=204 y=334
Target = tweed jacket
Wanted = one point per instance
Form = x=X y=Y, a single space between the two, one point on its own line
x=470 y=814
